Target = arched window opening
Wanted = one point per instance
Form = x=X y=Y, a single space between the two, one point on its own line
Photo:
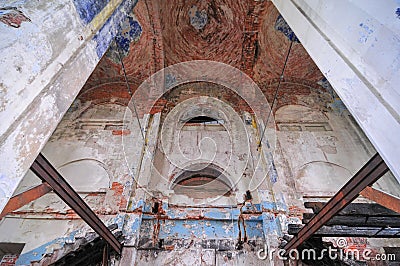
x=202 y=184
x=204 y=120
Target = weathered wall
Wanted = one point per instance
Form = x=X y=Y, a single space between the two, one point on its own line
x=359 y=56
x=90 y=139
x=49 y=52
x=311 y=130
x=207 y=226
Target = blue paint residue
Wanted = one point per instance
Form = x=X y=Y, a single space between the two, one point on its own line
x=214 y=229
x=336 y=104
x=137 y=205
x=273 y=174
x=38 y=253
x=134 y=221
x=398 y=12
x=129 y=31
x=111 y=28
x=324 y=83
x=198 y=19
x=365 y=33
x=104 y=37
x=268 y=206
x=271 y=225
x=88 y=9
x=282 y=26
x=170 y=80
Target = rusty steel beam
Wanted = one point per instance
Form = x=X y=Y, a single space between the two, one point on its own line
x=366 y=176
x=45 y=171
x=25 y=197
x=382 y=198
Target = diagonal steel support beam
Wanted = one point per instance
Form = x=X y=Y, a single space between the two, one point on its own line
x=45 y=171
x=366 y=176
x=25 y=197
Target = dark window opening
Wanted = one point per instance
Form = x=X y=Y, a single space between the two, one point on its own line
x=202 y=186
x=155 y=207
x=205 y=120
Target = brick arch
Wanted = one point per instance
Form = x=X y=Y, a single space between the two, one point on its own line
x=295 y=91
x=194 y=89
x=105 y=92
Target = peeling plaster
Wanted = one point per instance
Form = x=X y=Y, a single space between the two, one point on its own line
x=110 y=29
x=13 y=17
x=87 y=10
x=129 y=32
x=198 y=19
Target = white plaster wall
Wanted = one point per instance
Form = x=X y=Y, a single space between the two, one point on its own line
x=111 y=155
x=32 y=53
x=31 y=231
x=368 y=35
x=39 y=65
x=321 y=162
x=356 y=45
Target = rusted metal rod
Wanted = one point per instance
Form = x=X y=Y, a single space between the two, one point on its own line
x=25 y=197
x=366 y=176
x=45 y=171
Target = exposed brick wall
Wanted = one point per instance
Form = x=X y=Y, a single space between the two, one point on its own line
x=273 y=47
x=219 y=40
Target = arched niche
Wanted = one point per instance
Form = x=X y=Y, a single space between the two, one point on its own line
x=202 y=182
x=299 y=113
x=86 y=175
x=321 y=178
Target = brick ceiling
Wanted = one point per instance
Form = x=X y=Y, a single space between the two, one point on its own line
x=249 y=35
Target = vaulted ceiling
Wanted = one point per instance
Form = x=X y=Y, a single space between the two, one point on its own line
x=248 y=35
